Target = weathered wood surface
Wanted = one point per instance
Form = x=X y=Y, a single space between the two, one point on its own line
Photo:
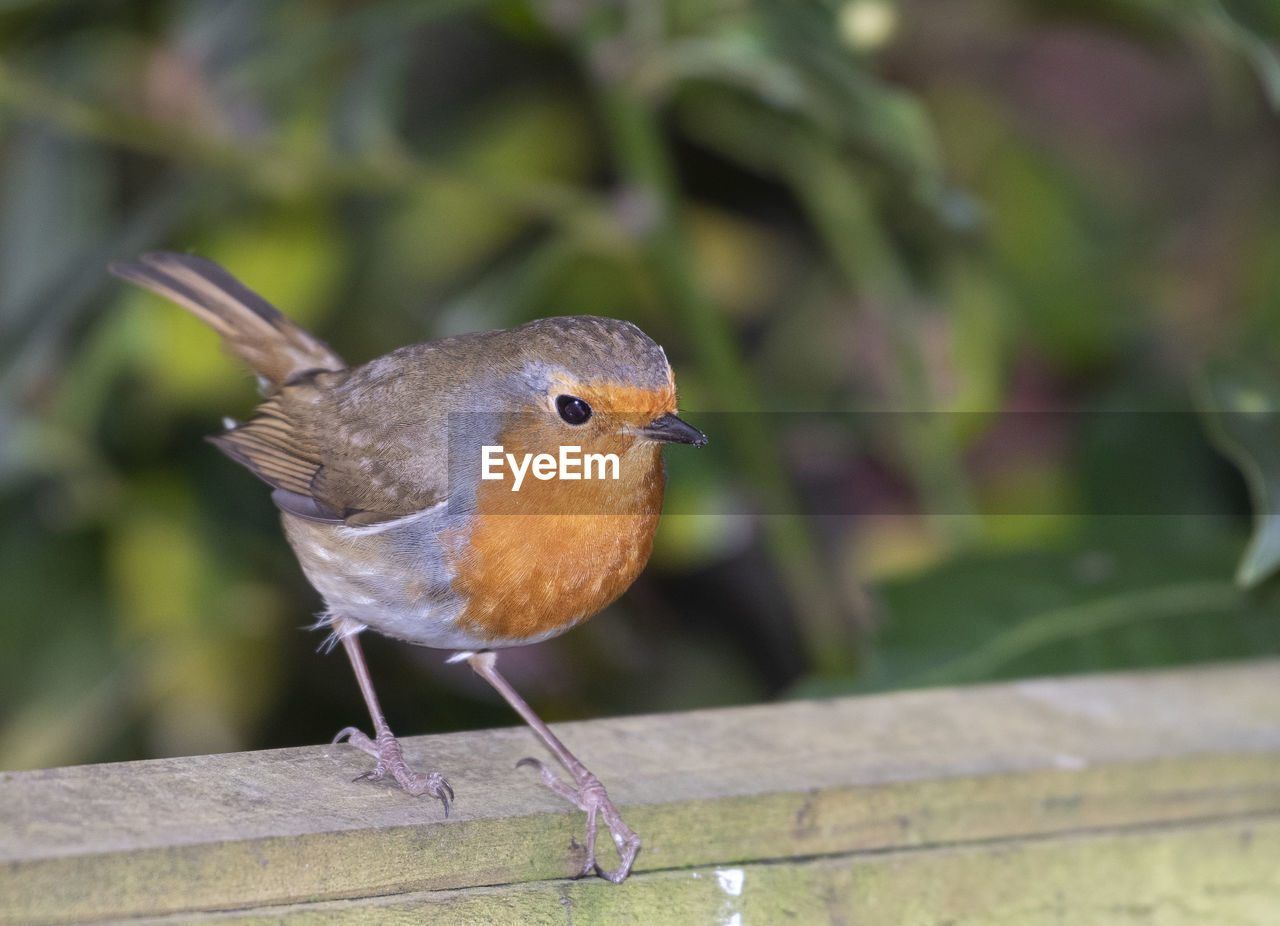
x=1138 y=798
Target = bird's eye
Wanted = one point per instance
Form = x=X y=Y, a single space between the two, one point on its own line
x=572 y=409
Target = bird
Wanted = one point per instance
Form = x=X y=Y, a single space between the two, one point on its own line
x=472 y=493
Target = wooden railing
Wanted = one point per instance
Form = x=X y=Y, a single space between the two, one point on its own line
x=1134 y=798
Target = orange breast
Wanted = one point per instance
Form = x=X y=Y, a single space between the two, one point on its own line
x=538 y=561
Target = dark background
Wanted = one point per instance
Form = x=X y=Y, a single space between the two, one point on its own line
x=1044 y=222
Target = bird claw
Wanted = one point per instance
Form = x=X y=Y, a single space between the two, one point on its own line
x=390 y=761
x=591 y=797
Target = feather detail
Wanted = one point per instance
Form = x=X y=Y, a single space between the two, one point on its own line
x=275 y=455
x=252 y=328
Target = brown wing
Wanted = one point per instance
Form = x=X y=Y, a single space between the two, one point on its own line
x=273 y=449
x=294 y=444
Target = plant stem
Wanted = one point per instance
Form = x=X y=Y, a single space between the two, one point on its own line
x=646 y=168
x=1166 y=603
x=290 y=173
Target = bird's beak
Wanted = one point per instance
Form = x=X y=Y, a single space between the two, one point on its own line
x=671 y=430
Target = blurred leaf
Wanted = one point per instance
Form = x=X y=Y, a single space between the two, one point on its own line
x=520 y=288
x=53 y=198
x=158 y=568
x=443 y=228
x=893 y=546
x=205 y=639
x=1261 y=17
x=1134 y=451
x=979 y=315
x=734 y=58
x=1050 y=240
x=1241 y=407
x=1126 y=592
x=862 y=113
x=705 y=521
x=64 y=684
x=1253 y=27
x=739 y=261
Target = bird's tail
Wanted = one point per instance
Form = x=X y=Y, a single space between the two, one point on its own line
x=253 y=329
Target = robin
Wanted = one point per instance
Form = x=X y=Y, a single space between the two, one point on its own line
x=472 y=493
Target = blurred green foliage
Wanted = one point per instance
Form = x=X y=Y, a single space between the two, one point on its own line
x=994 y=209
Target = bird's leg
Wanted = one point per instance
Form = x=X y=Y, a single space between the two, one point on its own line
x=384 y=746
x=589 y=794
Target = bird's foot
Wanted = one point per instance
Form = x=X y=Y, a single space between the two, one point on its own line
x=386 y=749
x=591 y=797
